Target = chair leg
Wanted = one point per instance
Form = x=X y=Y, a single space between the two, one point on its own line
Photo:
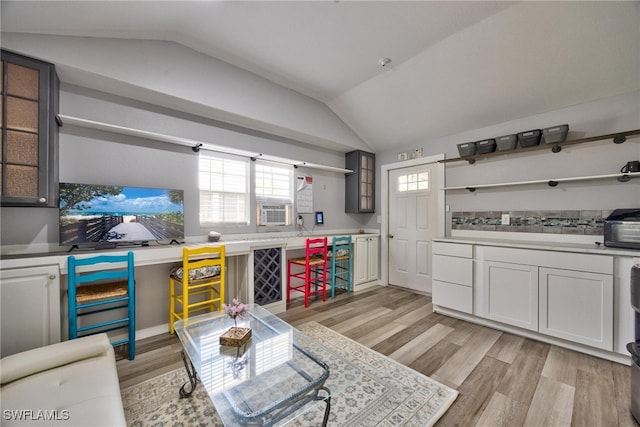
x=132 y=328
x=324 y=281
x=172 y=301
x=333 y=277
x=73 y=318
x=348 y=275
x=288 y=281
x=222 y=289
x=307 y=286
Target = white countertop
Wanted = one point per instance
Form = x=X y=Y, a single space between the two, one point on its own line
x=543 y=245
x=235 y=245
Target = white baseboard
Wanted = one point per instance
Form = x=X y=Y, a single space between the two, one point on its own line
x=152 y=331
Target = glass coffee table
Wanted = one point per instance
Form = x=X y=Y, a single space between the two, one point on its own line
x=278 y=375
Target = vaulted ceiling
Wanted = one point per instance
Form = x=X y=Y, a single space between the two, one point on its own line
x=454 y=65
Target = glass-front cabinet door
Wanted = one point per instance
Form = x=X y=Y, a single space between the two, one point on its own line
x=29 y=90
x=360 y=185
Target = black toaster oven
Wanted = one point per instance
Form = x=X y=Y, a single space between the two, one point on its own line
x=622 y=229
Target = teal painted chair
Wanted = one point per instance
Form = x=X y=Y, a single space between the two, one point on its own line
x=341 y=264
x=92 y=295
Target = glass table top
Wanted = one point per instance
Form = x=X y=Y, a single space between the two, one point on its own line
x=278 y=375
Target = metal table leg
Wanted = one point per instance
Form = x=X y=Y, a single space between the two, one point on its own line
x=191 y=373
x=327 y=409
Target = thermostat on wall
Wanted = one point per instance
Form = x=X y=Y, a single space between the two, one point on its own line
x=319 y=218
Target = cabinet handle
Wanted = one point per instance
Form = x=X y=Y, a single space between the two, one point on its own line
x=52 y=276
x=42 y=200
x=391 y=236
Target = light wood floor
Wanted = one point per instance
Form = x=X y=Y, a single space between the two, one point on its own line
x=503 y=379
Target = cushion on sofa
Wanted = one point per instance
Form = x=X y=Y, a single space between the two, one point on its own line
x=41 y=359
x=83 y=392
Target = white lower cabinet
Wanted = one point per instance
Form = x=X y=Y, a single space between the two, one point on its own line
x=532 y=292
x=30 y=308
x=510 y=294
x=454 y=296
x=452 y=270
x=577 y=306
x=565 y=296
x=365 y=259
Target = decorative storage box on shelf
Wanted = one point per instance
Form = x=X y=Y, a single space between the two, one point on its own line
x=506 y=142
x=529 y=138
x=555 y=134
x=486 y=146
x=467 y=149
x=504 y=145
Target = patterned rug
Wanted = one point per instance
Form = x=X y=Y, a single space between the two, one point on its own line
x=380 y=392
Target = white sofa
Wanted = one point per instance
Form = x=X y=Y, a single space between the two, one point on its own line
x=72 y=383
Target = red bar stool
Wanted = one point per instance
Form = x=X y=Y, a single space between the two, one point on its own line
x=308 y=271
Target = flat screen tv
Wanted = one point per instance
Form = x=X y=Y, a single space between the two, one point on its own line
x=107 y=215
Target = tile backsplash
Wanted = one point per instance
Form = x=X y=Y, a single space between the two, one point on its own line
x=587 y=222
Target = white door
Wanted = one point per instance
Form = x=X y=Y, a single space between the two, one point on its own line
x=412 y=222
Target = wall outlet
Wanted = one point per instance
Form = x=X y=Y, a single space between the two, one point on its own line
x=300 y=220
x=506 y=219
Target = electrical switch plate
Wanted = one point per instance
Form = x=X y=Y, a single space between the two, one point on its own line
x=506 y=219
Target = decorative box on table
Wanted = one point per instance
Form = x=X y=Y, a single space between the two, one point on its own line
x=235 y=337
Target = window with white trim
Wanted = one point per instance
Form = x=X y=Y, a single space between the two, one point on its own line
x=224 y=189
x=274 y=193
x=274 y=182
x=413 y=182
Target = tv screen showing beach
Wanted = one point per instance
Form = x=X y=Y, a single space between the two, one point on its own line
x=119 y=214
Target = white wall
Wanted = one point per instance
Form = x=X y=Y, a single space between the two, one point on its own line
x=608 y=115
x=169 y=74
x=97 y=157
x=532 y=57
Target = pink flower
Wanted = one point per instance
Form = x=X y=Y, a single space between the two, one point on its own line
x=236 y=309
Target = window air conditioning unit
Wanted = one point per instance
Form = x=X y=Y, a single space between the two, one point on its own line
x=273 y=214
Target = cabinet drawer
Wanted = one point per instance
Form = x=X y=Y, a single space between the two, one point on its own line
x=564 y=260
x=453 y=269
x=453 y=249
x=453 y=296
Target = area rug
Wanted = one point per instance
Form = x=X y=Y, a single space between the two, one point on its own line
x=374 y=391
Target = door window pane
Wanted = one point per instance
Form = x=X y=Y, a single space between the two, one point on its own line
x=413 y=182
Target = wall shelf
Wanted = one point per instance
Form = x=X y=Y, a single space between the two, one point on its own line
x=617 y=138
x=195 y=145
x=552 y=182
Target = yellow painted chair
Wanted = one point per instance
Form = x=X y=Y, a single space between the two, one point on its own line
x=198 y=285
